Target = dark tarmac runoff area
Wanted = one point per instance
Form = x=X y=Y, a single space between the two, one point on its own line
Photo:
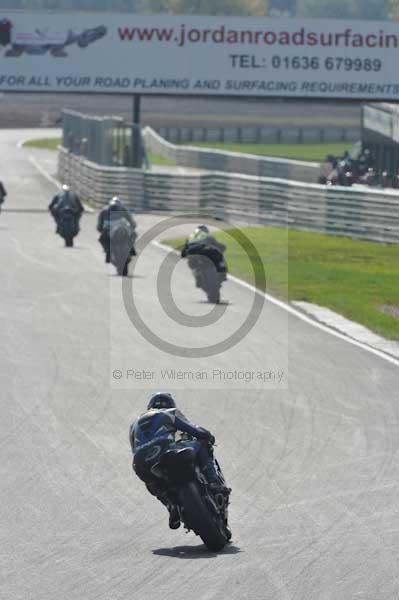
x=312 y=460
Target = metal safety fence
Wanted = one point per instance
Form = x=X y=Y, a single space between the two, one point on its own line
x=108 y=141
x=363 y=213
x=233 y=162
x=112 y=141
x=259 y=135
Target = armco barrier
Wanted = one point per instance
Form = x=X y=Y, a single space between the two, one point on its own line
x=233 y=162
x=255 y=134
x=367 y=214
x=98 y=183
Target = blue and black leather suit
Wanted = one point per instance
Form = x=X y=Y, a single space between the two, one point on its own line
x=207 y=246
x=66 y=199
x=153 y=433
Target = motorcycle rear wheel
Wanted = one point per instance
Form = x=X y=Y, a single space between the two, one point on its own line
x=199 y=518
x=212 y=286
x=122 y=268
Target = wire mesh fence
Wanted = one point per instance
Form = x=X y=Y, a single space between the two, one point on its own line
x=259 y=135
x=107 y=141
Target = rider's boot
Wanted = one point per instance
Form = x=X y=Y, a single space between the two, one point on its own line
x=174 y=517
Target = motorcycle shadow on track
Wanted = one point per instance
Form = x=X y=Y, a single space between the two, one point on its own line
x=135 y=276
x=221 y=303
x=74 y=247
x=193 y=552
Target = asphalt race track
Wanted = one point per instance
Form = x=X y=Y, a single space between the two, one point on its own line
x=313 y=462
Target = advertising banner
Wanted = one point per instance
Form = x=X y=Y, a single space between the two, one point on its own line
x=222 y=56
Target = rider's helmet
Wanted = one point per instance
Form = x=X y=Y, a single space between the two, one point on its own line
x=200 y=234
x=115 y=201
x=65 y=188
x=161 y=400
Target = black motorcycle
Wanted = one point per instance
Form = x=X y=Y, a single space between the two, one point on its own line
x=200 y=510
x=209 y=271
x=122 y=238
x=3 y=195
x=68 y=225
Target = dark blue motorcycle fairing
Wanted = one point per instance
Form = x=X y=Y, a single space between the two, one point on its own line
x=179 y=465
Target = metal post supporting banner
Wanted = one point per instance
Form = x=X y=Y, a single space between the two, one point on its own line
x=136 y=132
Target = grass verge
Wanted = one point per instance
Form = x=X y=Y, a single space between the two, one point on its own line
x=354 y=278
x=53 y=143
x=155 y=159
x=308 y=152
x=44 y=144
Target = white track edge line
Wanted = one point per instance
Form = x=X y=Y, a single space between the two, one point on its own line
x=306 y=319
x=52 y=179
x=43 y=172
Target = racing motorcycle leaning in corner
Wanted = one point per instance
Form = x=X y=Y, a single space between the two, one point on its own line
x=181 y=472
x=206 y=260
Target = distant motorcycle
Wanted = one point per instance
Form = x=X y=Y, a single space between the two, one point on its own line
x=208 y=276
x=68 y=225
x=3 y=194
x=202 y=511
x=122 y=238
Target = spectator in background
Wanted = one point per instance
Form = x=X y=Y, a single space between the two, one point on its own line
x=326 y=168
x=370 y=177
x=385 y=182
x=344 y=167
x=349 y=178
x=364 y=162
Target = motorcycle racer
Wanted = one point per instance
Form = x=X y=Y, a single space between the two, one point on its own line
x=153 y=433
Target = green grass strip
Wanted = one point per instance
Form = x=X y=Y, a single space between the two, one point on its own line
x=307 y=152
x=44 y=144
x=358 y=280
x=53 y=143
